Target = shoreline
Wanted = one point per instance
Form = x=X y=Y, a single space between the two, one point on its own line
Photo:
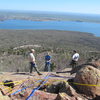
x=92 y=34
x=92 y=28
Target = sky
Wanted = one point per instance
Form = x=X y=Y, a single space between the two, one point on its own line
x=75 y=6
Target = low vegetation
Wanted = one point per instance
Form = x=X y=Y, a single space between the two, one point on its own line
x=59 y=43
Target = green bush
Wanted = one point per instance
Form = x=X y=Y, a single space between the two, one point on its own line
x=53 y=66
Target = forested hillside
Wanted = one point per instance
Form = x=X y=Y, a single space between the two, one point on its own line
x=14 y=47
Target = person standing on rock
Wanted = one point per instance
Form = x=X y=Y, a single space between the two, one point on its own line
x=75 y=58
x=32 y=62
x=47 y=63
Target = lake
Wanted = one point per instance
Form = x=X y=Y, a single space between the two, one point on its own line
x=89 y=27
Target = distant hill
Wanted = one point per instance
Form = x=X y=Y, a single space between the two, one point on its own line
x=48 y=16
x=49 y=38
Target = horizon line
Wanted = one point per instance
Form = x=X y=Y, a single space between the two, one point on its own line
x=48 y=11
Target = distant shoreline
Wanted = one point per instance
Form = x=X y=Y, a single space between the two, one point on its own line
x=48 y=16
x=38 y=20
x=78 y=25
x=48 y=30
x=41 y=20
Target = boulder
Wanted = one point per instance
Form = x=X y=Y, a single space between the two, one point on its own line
x=60 y=87
x=88 y=75
x=96 y=63
x=38 y=95
x=64 y=96
x=41 y=95
x=93 y=63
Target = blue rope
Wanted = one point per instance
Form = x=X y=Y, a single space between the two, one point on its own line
x=25 y=88
x=37 y=82
x=33 y=91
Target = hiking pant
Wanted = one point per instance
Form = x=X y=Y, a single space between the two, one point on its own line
x=47 y=67
x=33 y=65
x=73 y=63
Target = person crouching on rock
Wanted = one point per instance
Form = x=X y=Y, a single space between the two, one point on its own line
x=33 y=62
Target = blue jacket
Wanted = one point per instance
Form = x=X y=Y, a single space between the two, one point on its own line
x=47 y=57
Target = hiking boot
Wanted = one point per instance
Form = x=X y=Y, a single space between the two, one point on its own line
x=39 y=74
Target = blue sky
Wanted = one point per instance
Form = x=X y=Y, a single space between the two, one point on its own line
x=77 y=6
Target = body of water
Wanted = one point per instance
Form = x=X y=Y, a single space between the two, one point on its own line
x=52 y=25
